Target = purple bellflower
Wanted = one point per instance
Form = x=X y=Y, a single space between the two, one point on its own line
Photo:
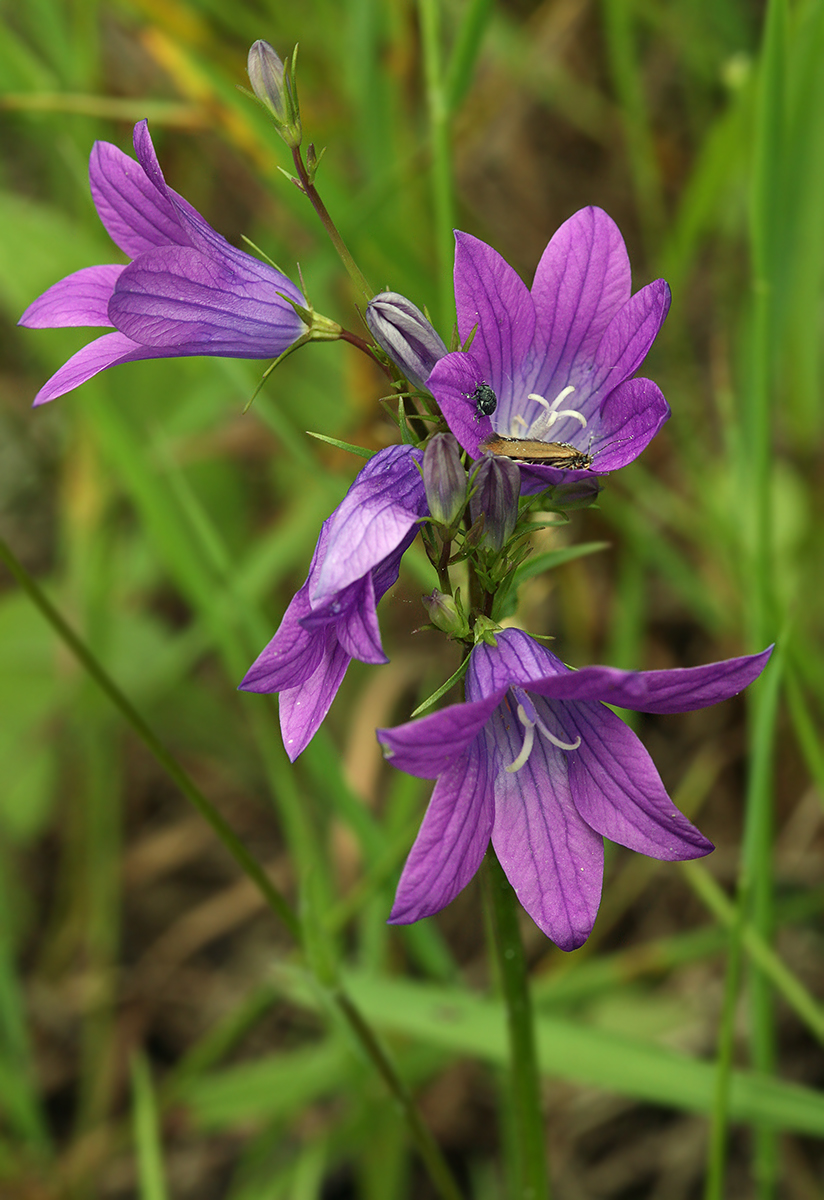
x=187 y=291
x=536 y=762
x=560 y=357
x=332 y=618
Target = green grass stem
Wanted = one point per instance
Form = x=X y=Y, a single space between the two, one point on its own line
x=429 y=12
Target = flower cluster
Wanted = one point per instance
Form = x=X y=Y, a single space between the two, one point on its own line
x=538 y=401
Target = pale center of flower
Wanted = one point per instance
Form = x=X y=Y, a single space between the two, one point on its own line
x=541 y=425
x=531 y=721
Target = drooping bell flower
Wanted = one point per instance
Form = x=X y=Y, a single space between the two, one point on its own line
x=186 y=292
x=332 y=618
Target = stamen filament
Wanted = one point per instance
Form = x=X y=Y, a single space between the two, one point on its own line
x=529 y=739
x=557 y=741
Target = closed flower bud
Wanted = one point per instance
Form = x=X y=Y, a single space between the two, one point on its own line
x=401 y=329
x=274 y=85
x=444 y=478
x=497 y=488
x=446 y=613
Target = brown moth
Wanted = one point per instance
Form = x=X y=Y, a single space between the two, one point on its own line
x=531 y=450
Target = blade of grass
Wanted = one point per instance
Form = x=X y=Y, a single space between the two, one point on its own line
x=760 y=952
x=88 y=661
x=465 y=52
x=147 y=1133
x=464 y=1024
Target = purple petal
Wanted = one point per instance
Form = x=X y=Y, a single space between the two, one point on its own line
x=178 y=295
x=386 y=573
x=517 y=659
x=452 y=839
x=303 y=709
x=491 y=296
x=360 y=636
x=535 y=479
x=353 y=616
x=293 y=654
x=621 y=350
x=147 y=157
x=552 y=858
x=428 y=746
x=631 y=415
x=626 y=342
x=383 y=504
x=680 y=689
x=617 y=789
x=106 y=351
x=582 y=281
x=194 y=229
x=452 y=382
x=136 y=215
x=79 y=299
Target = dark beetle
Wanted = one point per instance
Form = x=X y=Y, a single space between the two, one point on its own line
x=485 y=400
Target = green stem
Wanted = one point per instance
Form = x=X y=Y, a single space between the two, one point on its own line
x=441 y=167
x=425 y=1143
x=767 y=220
x=531 y=1168
x=346 y=335
x=170 y=764
x=311 y=192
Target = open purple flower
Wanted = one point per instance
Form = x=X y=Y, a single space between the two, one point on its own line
x=559 y=357
x=535 y=761
x=186 y=292
x=332 y=618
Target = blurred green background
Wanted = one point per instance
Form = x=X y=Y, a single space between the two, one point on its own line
x=158 y=1037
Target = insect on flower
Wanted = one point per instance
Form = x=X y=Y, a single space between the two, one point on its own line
x=485 y=401
x=561 y=356
x=533 y=450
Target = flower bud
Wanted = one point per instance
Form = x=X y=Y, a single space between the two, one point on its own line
x=401 y=329
x=274 y=85
x=444 y=478
x=446 y=613
x=497 y=484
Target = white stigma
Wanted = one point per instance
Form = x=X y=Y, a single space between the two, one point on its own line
x=529 y=740
x=540 y=427
x=554 y=413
